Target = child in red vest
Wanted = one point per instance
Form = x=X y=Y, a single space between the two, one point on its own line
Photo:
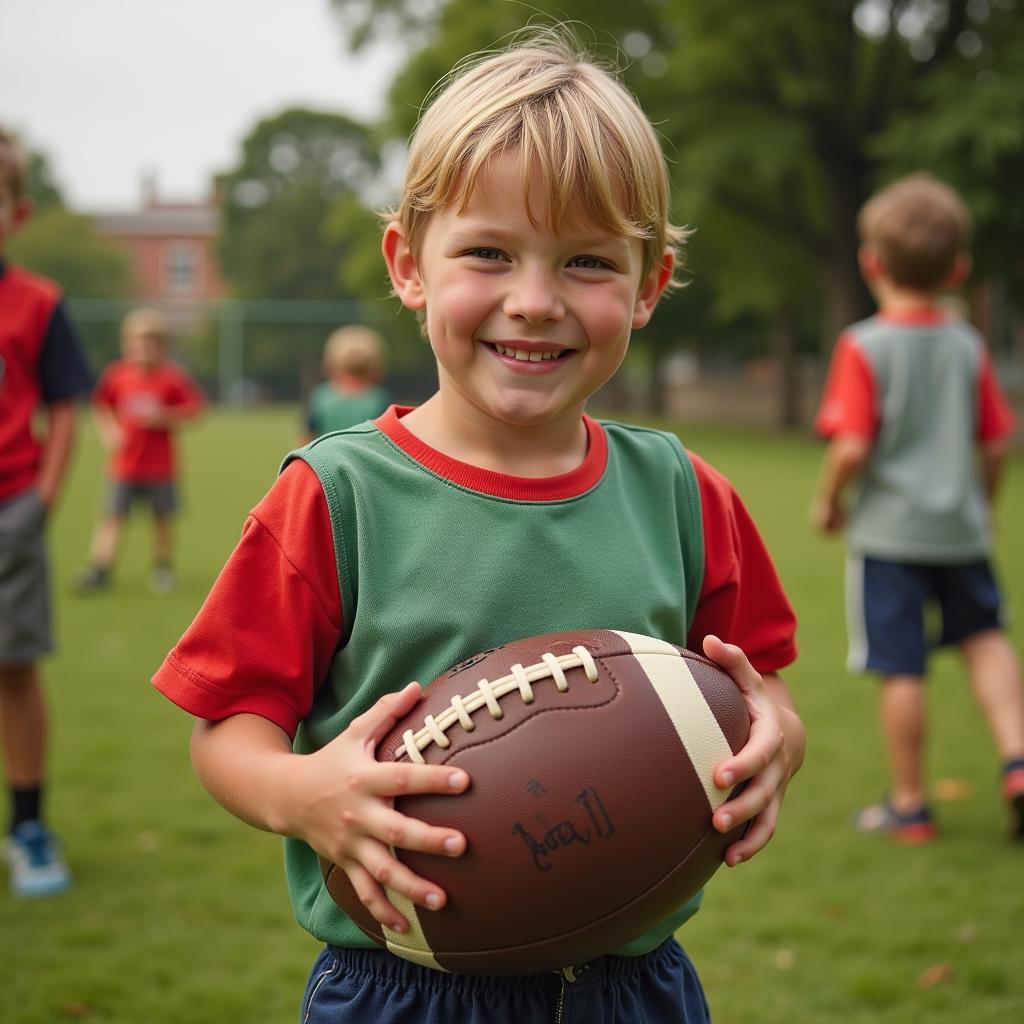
x=41 y=367
x=140 y=402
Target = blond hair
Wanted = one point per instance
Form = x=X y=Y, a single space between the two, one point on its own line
x=599 y=159
x=148 y=321
x=354 y=350
x=918 y=226
x=13 y=164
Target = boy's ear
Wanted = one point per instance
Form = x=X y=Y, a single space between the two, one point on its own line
x=22 y=211
x=870 y=263
x=402 y=268
x=960 y=272
x=652 y=289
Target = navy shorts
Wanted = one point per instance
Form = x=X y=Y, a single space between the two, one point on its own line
x=160 y=495
x=372 y=986
x=898 y=611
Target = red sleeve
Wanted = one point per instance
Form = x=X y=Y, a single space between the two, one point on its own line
x=995 y=417
x=741 y=600
x=848 y=403
x=263 y=640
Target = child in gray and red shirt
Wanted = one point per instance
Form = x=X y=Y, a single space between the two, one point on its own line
x=911 y=400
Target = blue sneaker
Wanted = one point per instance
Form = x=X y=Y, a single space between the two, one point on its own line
x=34 y=857
x=911 y=829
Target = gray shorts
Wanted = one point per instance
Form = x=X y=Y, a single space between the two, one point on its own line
x=160 y=495
x=24 y=580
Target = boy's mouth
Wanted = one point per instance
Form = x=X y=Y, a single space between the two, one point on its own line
x=528 y=355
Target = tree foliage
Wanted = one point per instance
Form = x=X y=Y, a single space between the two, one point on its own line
x=779 y=120
x=43 y=190
x=294 y=168
x=66 y=247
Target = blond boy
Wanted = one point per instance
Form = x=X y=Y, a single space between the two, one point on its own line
x=140 y=401
x=911 y=403
x=41 y=367
x=532 y=237
x=354 y=363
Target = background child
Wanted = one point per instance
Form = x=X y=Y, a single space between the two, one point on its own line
x=531 y=238
x=41 y=366
x=910 y=398
x=140 y=401
x=353 y=365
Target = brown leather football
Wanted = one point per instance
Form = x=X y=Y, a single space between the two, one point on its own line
x=588 y=816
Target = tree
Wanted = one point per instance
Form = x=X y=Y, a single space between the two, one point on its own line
x=780 y=119
x=66 y=246
x=294 y=168
x=43 y=189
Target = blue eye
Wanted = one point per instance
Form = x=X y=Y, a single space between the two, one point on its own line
x=487 y=254
x=589 y=263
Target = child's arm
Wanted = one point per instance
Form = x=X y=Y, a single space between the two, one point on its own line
x=338 y=799
x=993 y=458
x=772 y=756
x=184 y=401
x=60 y=437
x=109 y=429
x=845 y=458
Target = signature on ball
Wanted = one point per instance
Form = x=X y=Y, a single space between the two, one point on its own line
x=583 y=829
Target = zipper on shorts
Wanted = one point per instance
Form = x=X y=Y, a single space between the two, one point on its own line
x=566 y=975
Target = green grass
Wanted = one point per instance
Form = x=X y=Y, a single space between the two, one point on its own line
x=178 y=913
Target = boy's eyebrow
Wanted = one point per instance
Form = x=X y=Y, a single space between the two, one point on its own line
x=470 y=231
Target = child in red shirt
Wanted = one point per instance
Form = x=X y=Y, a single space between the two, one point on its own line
x=140 y=401
x=42 y=373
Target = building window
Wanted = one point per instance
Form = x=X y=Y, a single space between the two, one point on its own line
x=181 y=268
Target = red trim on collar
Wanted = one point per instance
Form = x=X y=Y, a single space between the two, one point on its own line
x=924 y=316
x=501 y=485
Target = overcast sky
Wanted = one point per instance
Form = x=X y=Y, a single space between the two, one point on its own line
x=111 y=89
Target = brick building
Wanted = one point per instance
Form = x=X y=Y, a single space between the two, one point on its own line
x=171 y=246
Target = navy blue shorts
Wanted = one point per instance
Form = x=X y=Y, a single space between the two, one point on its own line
x=897 y=612
x=371 y=986
x=160 y=495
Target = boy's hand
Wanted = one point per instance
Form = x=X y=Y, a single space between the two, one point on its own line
x=346 y=811
x=769 y=759
x=827 y=516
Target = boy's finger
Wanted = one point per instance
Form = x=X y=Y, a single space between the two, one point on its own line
x=375 y=723
x=398 y=778
x=390 y=873
x=745 y=806
x=372 y=896
x=734 y=661
x=401 y=832
x=757 y=753
x=755 y=839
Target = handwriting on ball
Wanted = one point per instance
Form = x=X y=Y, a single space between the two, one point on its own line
x=588 y=823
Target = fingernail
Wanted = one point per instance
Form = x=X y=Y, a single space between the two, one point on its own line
x=738 y=859
x=726 y=820
x=398 y=926
x=433 y=901
x=457 y=780
x=727 y=778
x=452 y=844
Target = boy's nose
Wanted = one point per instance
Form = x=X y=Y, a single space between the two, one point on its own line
x=533 y=296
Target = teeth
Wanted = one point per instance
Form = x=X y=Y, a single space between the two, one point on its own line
x=522 y=356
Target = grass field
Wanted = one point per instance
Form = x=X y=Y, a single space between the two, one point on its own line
x=179 y=916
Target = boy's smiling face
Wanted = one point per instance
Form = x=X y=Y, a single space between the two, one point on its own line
x=525 y=322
